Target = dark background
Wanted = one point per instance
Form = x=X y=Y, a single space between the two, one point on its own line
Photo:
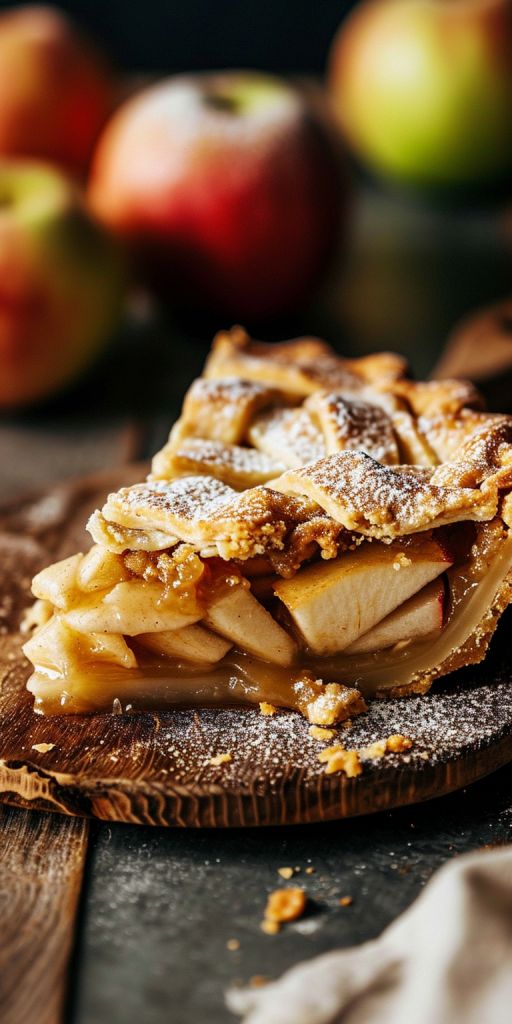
x=161 y=35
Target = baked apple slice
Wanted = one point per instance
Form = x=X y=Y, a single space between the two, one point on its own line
x=334 y=603
x=420 y=617
x=240 y=617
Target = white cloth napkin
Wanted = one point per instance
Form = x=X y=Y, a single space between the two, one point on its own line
x=446 y=960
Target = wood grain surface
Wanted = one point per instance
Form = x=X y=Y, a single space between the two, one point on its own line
x=41 y=865
x=154 y=768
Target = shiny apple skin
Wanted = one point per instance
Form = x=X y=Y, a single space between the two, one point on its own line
x=228 y=189
x=56 y=91
x=61 y=284
x=423 y=90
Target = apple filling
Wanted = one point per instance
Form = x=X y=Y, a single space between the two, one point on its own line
x=171 y=628
x=315 y=531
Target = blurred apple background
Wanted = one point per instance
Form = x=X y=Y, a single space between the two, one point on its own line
x=168 y=168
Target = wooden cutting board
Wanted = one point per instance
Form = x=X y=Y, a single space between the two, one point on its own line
x=154 y=768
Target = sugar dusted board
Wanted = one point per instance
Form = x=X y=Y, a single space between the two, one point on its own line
x=155 y=768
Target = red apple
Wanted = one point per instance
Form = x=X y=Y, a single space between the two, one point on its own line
x=227 y=186
x=55 y=90
x=424 y=89
x=60 y=283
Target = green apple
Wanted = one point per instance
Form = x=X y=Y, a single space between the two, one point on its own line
x=61 y=283
x=424 y=89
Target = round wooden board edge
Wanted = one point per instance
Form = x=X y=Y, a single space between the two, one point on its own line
x=323 y=799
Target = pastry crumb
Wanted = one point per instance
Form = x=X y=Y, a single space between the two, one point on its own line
x=401 y=562
x=337 y=759
x=233 y=945
x=345 y=901
x=43 y=748
x=375 y=750
x=397 y=744
x=317 y=733
x=285 y=905
x=270 y=927
x=310 y=871
x=266 y=708
x=286 y=872
x=220 y=759
x=258 y=980
x=335 y=704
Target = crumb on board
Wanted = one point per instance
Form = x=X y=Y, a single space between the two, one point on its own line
x=233 y=945
x=266 y=708
x=337 y=759
x=317 y=733
x=220 y=759
x=397 y=743
x=375 y=750
x=345 y=901
x=43 y=748
x=335 y=704
x=258 y=980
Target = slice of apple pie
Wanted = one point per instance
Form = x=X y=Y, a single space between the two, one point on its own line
x=317 y=530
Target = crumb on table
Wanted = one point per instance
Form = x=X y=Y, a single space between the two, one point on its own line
x=285 y=905
x=286 y=872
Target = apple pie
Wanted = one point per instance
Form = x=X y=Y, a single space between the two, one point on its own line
x=316 y=531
